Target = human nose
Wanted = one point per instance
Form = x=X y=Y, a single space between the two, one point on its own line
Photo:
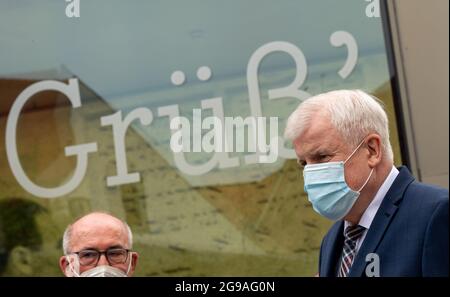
x=102 y=260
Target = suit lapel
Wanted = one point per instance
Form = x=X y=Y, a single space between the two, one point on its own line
x=384 y=216
x=333 y=252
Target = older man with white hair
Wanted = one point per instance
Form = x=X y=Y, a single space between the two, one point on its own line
x=387 y=224
x=98 y=244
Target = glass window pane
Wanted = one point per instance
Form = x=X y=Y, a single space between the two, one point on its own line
x=143 y=62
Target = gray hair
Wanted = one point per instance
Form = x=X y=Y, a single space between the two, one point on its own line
x=68 y=234
x=353 y=113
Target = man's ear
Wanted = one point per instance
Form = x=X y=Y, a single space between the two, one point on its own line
x=375 y=149
x=64 y=265
x=20 y=261
x=134 y=260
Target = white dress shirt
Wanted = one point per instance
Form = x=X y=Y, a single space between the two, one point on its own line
x=371 y=211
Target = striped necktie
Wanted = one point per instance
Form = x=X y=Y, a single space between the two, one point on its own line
x=351 y=234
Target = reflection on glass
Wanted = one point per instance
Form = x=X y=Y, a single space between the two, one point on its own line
x=246 y=219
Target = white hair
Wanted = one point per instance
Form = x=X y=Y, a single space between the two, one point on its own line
x=68 y=234
x=353 y=113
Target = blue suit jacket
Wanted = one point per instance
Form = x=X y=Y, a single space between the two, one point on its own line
x=409 y=233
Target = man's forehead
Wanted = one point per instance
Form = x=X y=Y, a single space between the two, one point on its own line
x=98 y=231
x=98 y=219
x=100 y=226
x=319 y=125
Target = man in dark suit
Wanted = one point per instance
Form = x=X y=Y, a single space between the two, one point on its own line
x=387 y=224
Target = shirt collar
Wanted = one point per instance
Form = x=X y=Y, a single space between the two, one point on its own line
x=371 y=211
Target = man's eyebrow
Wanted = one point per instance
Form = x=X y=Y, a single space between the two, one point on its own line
x=87 y=248
x=324 y=151
x=320 y=151
x=117 y=246
x=315 y=151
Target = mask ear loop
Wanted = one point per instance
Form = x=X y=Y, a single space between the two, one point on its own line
x=354 y=151
x=371 y=171
x=129 y=264
x=367 y=180
x=71 y=267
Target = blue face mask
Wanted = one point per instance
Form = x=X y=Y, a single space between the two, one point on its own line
x=327 y=190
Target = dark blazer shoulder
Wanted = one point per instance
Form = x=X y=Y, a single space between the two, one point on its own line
x=430 y=194
x=407 y=190
x=423 y=199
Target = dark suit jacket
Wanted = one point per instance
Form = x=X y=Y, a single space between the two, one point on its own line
x=409 y=233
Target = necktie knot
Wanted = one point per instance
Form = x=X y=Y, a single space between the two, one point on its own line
x=353 y=232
